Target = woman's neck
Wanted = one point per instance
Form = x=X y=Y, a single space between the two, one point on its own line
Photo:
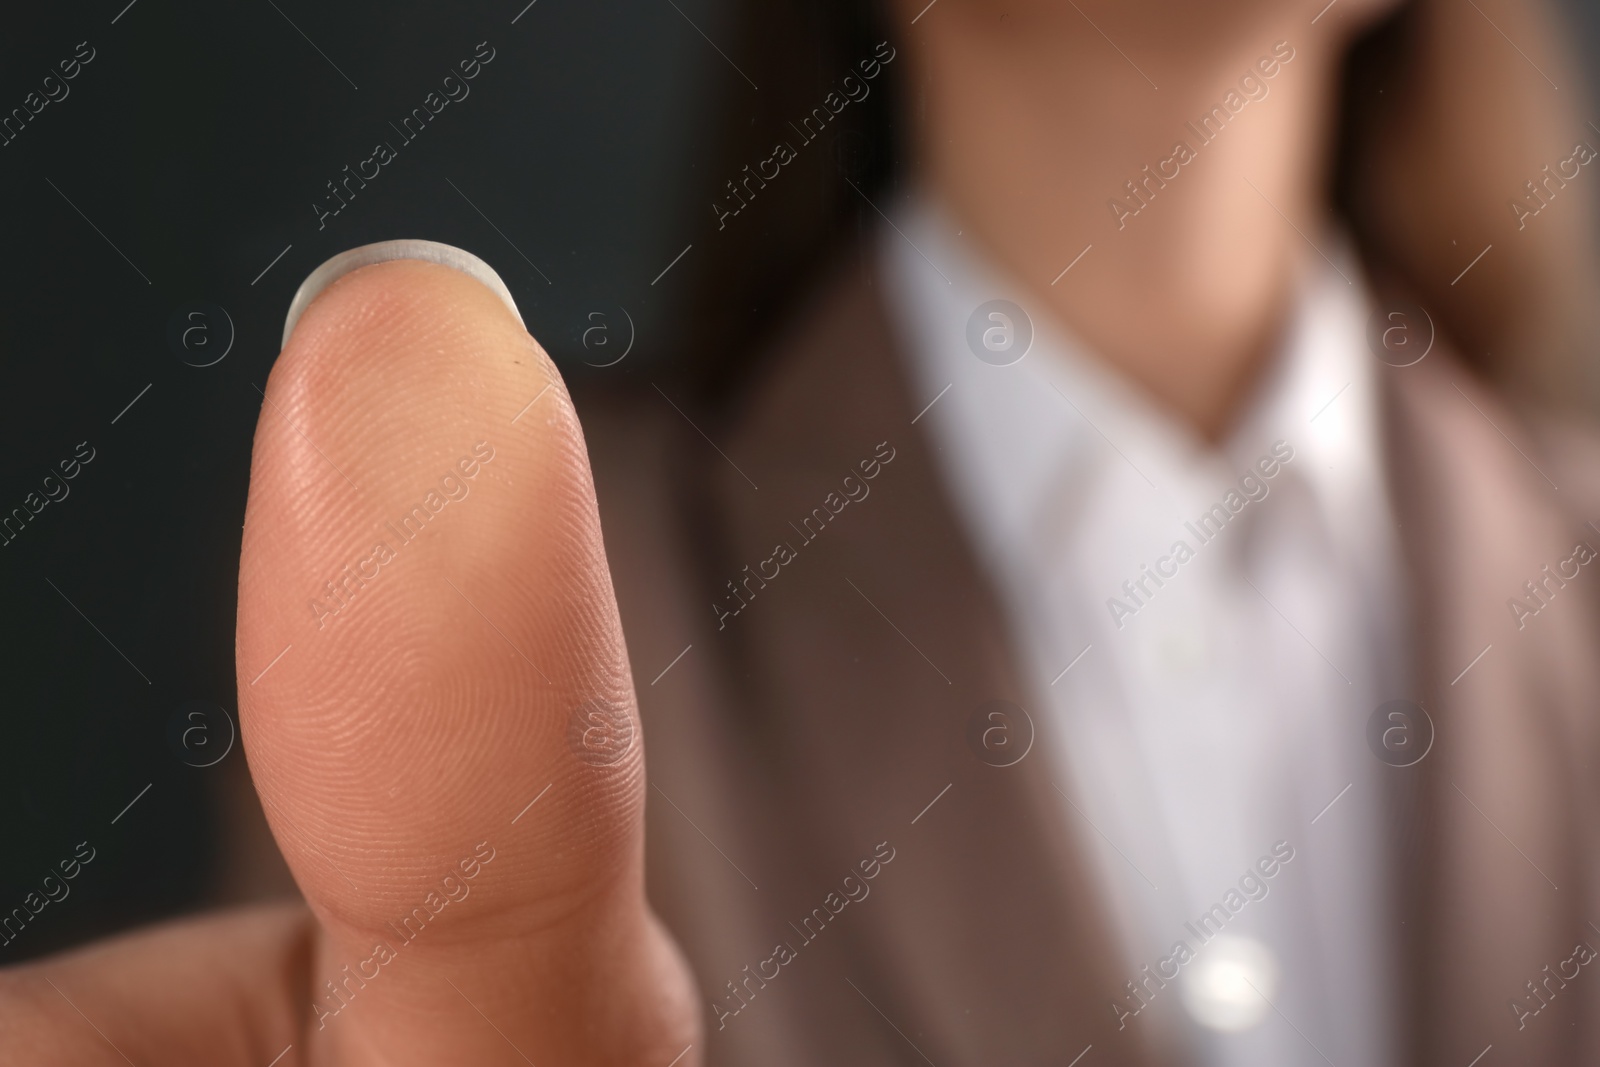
x=1190 y=168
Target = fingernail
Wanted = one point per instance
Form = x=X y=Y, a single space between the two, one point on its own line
x=383 y=252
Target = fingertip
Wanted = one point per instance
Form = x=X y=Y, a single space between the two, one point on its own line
x=347 y=262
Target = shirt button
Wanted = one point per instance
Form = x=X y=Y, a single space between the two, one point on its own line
x=1179 y=652
x=1229 y=985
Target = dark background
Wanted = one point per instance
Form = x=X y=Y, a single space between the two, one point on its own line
x=186 y=157
x=195 y=143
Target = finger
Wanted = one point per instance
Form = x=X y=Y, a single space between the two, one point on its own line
x=226 y=990
x=427 y=638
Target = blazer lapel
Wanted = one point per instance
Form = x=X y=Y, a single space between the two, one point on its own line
x=1500 y=818
x=874 y=647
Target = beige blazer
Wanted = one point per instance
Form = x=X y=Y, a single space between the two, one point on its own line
x=833 y=917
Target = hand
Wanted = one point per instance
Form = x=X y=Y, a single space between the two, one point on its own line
x=446 y=742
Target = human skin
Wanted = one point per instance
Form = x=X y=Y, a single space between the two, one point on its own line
x=1028 y=121
x=492 y=629
x=399 y=737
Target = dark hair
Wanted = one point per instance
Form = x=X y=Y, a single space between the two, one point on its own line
x=1445 y=127
x=766 y=260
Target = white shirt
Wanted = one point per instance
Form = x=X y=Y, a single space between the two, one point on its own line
x=1221 y=708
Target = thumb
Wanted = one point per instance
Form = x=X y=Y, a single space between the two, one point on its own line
x=435 y=698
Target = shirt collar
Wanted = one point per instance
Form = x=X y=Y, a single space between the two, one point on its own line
x=1014 y=437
